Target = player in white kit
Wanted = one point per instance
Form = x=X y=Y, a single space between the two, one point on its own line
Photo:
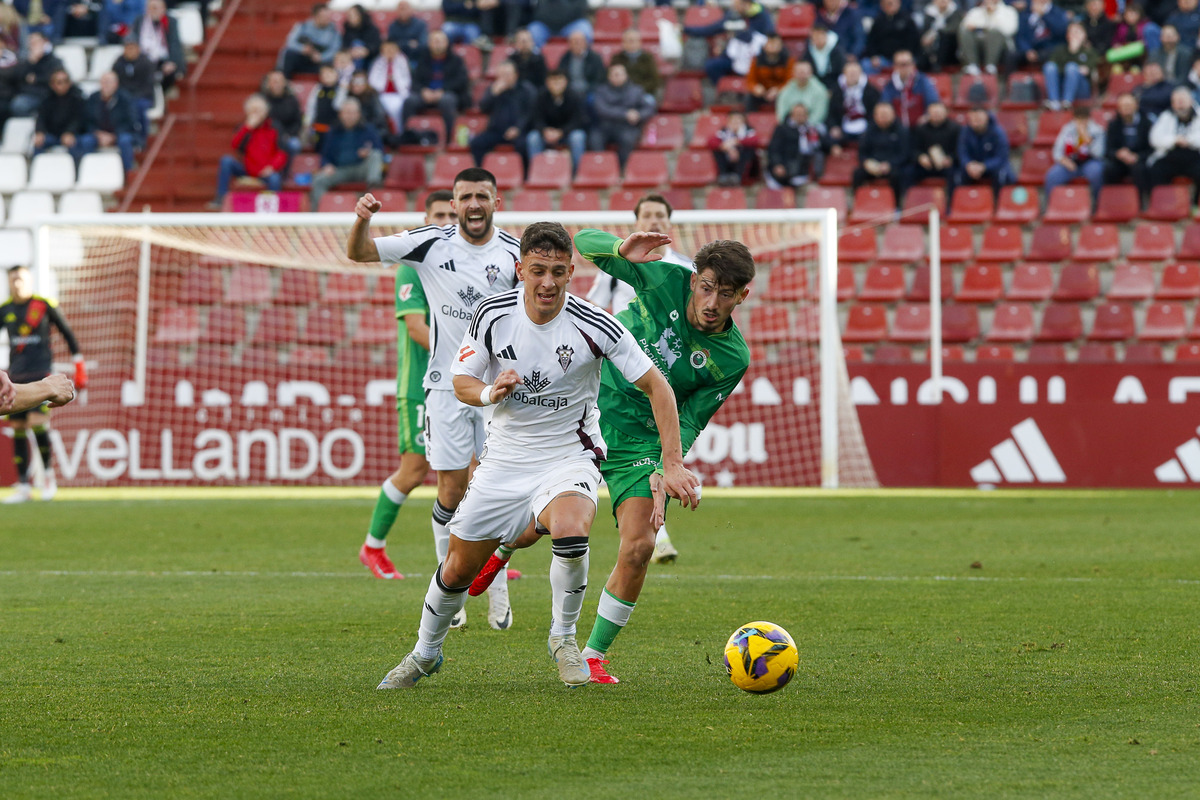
x=459 y=266
x=539 y=465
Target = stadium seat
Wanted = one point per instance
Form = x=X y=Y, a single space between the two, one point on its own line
x=1114 y=322
x=1096 y=353
x=725 y=198
x=1017 y=205
x=680 y=199
x=891 y=354
x=884 y=283
x=177 y=325
x=580 y=200
x=964 y=98
x=298 y=287
x=918 y=201
x=425 y=124
x=1125 y=82
x=857 y=245
x=646 y=169
x=102 y=60
x=74 y=60
x=598 y=170
x=873 y=202
x=981 y=283
x=971 y=204
x=1189 y=247
x=847 y=284
x=694 y=169
x=84 y=203
x=1061 y=322
x=324 y=326
x=1131 y=282
x=249 y=286
x=1152 y=242
x=276 y=325
x=1069 y=203
x=29 y=209
x=682 y=94
x=200 y=286
x=18 y=136
x=839 y=170
x=549 y=169
x=700 y=16
x=903 y=243
x=787 y=283
x=1164 y=322
x=1024 y=91
x=770 y=323
x=768 y=198
x=1118 y=203
x=529 y=200
x=337 y=202
x=911 y=323
x=446 y=166
x=663 y=132
x=580 y=285
x=827 y=197
x=1077 y=282
x=1142 y=353
x=609 y=23
x=472 y=124
x=1169 y=203
x=376 y=325
x=509 y=169
x=648 y=20
x=1188 y=352
x=795 y=22
x=345 y=288
x=1001 y=243
x=731 y=94
x=191 y=26
x=919 y=290
x=394 y=200
x=1099 y=242
x=1012 y=322
x=994 y=353
x=866 y=323
x=1016 y=127
x=807 y=326
x=308 y=356
x=472 y=56
x=1031 y=282
x=1049 y=123
x=553 y=52
x=384 y=292
x=954 y=352
x=957 y=244
x=626 y=200
x=261 y=356
x=225 y=325
x=16 y=247
x=1050 y=243
x=407 y=172
x=1179 y=282
x=1035 y=163
x=1045 y=353
x=52 y=172
x=960 y=323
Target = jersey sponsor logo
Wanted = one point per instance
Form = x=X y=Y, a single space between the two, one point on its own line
x=448 y=266
x=535 y=381
x=668 y=348
x=493 y=272
x=699 y=358
x=552 y=403
x=470 y=295
x=645 y=462
x=404 y=292
x=457 y=313
x=508 y=353
x=564 y=356
x=465 y=352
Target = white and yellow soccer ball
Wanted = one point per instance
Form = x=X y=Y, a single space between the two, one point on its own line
x=761 y=657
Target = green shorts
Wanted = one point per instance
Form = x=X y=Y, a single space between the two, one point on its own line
x=630 y=464
x=410 y=425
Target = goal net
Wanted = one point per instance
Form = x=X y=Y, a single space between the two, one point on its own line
x=233 y=349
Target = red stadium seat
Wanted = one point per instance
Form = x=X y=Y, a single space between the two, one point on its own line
x=447 y=166
x=1077 y=282
x=763 y=123
x=598 y=170
x=1179 y=282
x=795 y=21
x=249 y=286
x=1164 y=322
x=911 y=323
x=694 y=169
x=1131 y=282
x=648 y=20
x=609 y=23
x=726 y=198
x=963 y=98
x=873 y=202
x=531 y=200
x=839 y=170
x=847 y=284
x=981 y=283
x=905 y=243
x=177 y=325
x=970 y=204
x=1098 y=243
x=680 y=199
x=770 y=323
x=549 y=169
x=201 y=286
x=421 y=124
x=827 y=197
x=917 y=203
x=508 y=168
x=700 y=16
x=884 y=283
x=646 y=169
x=707 y=124
x=626 y=200
x=1117 y=203
x=682 y=94
x=472 y=124
x=768 y=198
x=1048 y=125
x=1035 y=163
x=1189 y=248
x=1061 y=322
x=1143 y=353
x=298 y=287
x=808 y=324
x=1097 y=353
x=919 y=291
x=1024 y=89
x=337 y=202
x=394 y=199
x=1050 y=243
x=473 y=58
x=225 y=325
x=1188 y=352
x=992 y=353
x=1152 y=242
x=1069 y=203
x=787 y=283
x=1016 y=127
x=276 y=325
x=1012 y=322
x=580 y=200
x=959 y=323
x=957 y=244
x=891 y=353
x=866 y=323
x=553 y=52
x=857 y=245
x=1031 y=282
x=663 y=132
x=580 y=285
x=1114 y=322
x=324 y=326
x=211 y=355
x=345 y=288
x=1125 y=82
x=1047 y=354
x=1001 y=243
x=376 y=325
x=731 y=94
x=1169 y=203
x=1018 y=204
x=309 y=357
x=407 y=172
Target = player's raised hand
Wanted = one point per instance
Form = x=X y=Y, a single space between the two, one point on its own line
x=504 y=385
x=63 y=389
x=367 y=206
x=682 y=484
x=639 y=247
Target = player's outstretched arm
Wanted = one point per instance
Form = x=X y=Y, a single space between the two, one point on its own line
x=678 y=480
x=474 y=392
x=361 y=246
x=57 y=390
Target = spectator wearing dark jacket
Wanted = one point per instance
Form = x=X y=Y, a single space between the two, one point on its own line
x=117 y=18
x=826 y=54
x=440 y=81
x=1041 y=28
x=750 y=24
x=735 y=149
x=509 y=104
x=409 y=31
x=983 y=151
x=559 y=18
x=158 y=35
x=850 y=105
x=910 y=92
x=360 y=36
x=1186 y=19
x=935 y=145
x=638 y=62
x=839 y=17
x=112 y=121
x=1154 y=95
x=769 y=72
x=33 y=76
x=352 y=151
x=310 y=44
x=796 y=152
x=260 y=150
x=1172 y=55
x=1100 y=29
x=1070 y=69
x=939 y=34
x=559 y=118
x=531 y=66
x=61 y=118
x=137 y=75
x=1127 y=146
x=884 y=152
x=621 y=108
x=894 y=30
x=582 y=65
x=283 y=107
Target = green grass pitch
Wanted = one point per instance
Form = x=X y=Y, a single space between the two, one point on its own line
x=228 y=645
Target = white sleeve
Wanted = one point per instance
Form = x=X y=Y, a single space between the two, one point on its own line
x=392 y=249
x=628 y=358
x=471 y=359
x=601 y=293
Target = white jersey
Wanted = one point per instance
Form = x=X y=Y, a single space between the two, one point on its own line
x=608 y=292
x=552 y=414
x=456 y=275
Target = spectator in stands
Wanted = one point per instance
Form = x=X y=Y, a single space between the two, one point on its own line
x=440 y=81
x=797 y=150
x=1078 y=152
x=79 y=18
x=884 y=151
x=117 y=18
x=461 y=22
x=849 y=105
x=112 y=121
x=392 y=82
x=1172 y=55
x=582 y=65
x=372 y=109
x=769 y=72
x=320 y=112
x=33 y=76
x=284 y=109
x=639 y=63
x=986 y=35
x=559 y=118
x=344 y=65
x=1127 y=146
x=509 y=104
x=360 y=36
x=1186 y=19
x=559 y=18
x=935 y=143
x=1154 y=95
x=352 y=151
x=983 y=151
x=310 y=44
x=158 y=34
x=910 y=92
x=1132 y=29
x=735 y=149
x=843 y=19
x=1100 y=29
x=939 y=24
x=12 y=33
x=803 y=88
x=530 y=64
x=409 y=31
x=31 y=19
x=1192 y=80
x=621 y=108
x=61 y=117
x=894 y=30
x=825 y=52
x=1070 y=69
x=137 y=76
x=1042 y=28
x=1175 y=137
x=259 y=150
x=749 y=25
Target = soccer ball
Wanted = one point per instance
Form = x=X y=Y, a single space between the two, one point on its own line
x=761 y=657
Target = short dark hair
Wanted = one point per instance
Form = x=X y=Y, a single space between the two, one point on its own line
x=555 y=73
x=730 y=262
x=1081 y=111
x=475 y=175
x=439 y=196
x=546 y=237
x=16 y=267
x=652 y=197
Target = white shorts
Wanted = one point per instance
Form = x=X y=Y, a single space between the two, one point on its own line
x=503 y=497
x=454 y=431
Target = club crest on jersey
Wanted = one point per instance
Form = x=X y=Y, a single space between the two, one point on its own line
x=699 y=358
x=493 y=272
x=535 y=382
x=470 y=295
x=564 y=356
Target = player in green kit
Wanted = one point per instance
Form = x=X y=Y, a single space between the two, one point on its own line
x=683 y=321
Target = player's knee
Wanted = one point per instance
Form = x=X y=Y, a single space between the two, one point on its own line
x=455 y=573
x=636 y=552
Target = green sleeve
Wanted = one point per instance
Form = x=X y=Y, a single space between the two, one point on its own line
x=410 y=295
x=600 y=247
x=700 y=406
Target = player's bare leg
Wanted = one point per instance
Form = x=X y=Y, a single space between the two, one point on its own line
x=452 y=486
x=407 y=477
x=568 y=517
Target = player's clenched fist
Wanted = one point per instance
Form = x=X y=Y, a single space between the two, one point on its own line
x=367 y=206
x=504 y=385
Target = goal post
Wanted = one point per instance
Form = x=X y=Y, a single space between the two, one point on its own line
x=246 y=348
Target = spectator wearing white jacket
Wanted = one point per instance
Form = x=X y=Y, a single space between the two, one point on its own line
x=985 y=35
x=392 y=80
x=1175 y=137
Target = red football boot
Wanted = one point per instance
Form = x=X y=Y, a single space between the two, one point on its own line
x=376 y=560
x=599 y=675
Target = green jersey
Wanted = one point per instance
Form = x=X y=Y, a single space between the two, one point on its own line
x=702 y=368
x=411 y=358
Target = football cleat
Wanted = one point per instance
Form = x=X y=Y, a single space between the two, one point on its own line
x=21 y=494
x=459 y=620
x=486 y=575
x=500 y=614
x=566 y=654
x=49 y=486
x=599 y=674
x=376 y=560
x=664 y=552
x=409 y=671
x=513 y=574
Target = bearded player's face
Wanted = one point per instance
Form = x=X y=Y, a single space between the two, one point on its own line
x=475 y=202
